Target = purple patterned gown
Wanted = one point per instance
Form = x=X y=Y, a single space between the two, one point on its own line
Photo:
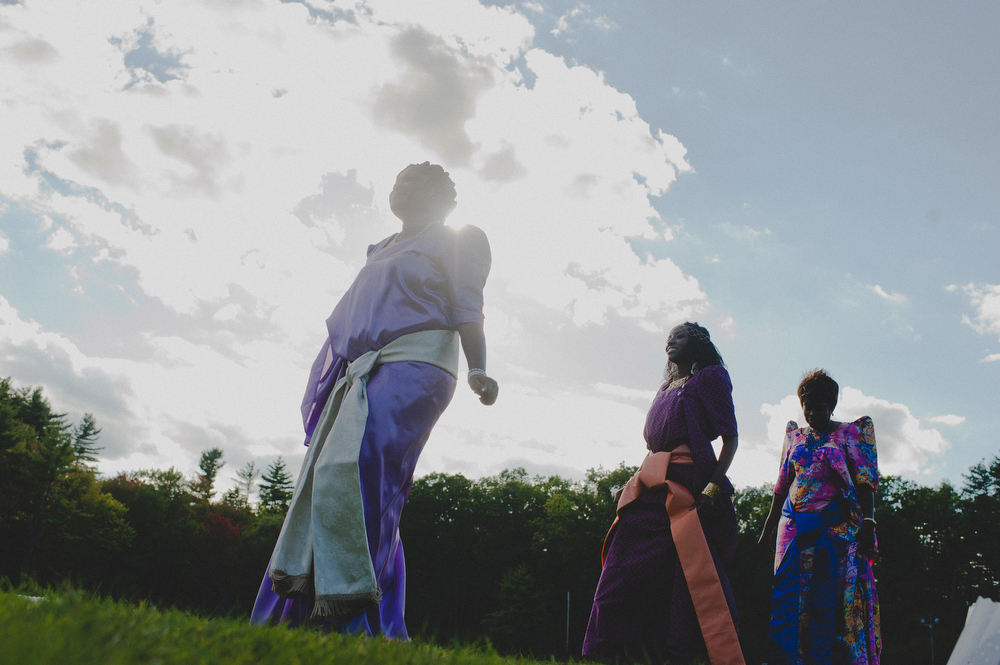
x=430 y=282
x=642 y=609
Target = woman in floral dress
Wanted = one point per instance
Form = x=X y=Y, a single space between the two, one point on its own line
x=824 y=607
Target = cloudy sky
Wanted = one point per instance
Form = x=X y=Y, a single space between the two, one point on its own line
x=186 y=189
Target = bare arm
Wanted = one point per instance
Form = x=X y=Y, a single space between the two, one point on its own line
x=474 y=345
x=729 y=445
x=767 y=535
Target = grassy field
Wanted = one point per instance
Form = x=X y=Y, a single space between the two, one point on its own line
x=71 y=627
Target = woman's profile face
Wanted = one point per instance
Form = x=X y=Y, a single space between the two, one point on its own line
x=407 y=194
x=817 y=413
x=677 y=344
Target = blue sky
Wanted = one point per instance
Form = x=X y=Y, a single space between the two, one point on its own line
x=185 y=191
x=837 y=147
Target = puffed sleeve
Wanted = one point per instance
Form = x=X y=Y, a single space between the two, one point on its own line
x=862 y=458
x=467 y=266
x=715 y=391
x=786 y=470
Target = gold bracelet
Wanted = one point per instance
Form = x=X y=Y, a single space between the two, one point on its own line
x=711 y=491
x=870 y=519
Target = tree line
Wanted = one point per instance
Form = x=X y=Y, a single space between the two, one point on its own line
x=510 y=559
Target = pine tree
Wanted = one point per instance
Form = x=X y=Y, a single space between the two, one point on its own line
x=276 y=488
x=239 y=495
x=46 y=492
x=203 y=487
x=245 y=479
x=85 y=439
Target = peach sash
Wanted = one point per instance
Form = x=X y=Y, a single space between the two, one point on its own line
x=696 y=560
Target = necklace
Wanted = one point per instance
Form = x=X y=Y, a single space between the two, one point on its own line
x=813 y=442
x=678 y=382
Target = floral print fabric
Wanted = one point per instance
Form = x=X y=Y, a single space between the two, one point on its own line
x=818 y=471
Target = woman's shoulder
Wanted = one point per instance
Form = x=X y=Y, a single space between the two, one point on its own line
x=863 y=430
x=862 y=424
x=792 y=428
x=466 y=246
x=713 y=374
x=714 y=371
x=380 y=244
x=468 y=236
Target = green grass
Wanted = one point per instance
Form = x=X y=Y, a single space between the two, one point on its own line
x=71 y=627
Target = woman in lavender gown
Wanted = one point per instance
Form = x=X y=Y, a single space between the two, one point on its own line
x=663 y=593
x=385 y=374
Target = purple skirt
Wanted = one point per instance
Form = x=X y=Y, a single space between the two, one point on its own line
x=642 y=608
x=405 y=400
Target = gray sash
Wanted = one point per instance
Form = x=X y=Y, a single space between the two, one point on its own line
x=323 y=543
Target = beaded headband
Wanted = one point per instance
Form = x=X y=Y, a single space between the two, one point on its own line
x=697 y=332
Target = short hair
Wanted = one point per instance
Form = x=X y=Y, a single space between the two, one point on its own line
x=817 y=384
x=436 y=181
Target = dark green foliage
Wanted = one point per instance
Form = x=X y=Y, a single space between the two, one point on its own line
x=751 y=571
x=203 y=486
x=489 y=559
x=276 y=488
x=54 y=521
x=85 y=435
x=497 y=556
x=163 y=519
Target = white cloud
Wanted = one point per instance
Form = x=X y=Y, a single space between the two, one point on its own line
x=949 y=419
x=583 y=13
x=543 y=430
x=906 y=445
x=991 y=358
x=4 y=243
x=602 y=22
x=226 y=220
x=643 y=396
x=986 y=299
x=432 y=72
x=102 y=155
x=61 y=240
x=894 y=297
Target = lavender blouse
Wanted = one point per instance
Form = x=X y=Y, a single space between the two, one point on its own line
x=430 y=282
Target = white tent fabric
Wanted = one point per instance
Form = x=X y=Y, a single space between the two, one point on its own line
x=979 y=643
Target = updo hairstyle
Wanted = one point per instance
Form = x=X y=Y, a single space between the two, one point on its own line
x=437 y=184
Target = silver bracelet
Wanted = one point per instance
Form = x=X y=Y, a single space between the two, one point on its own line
x=476 y=371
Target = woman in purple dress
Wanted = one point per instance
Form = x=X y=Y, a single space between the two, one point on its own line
x=379 y=384
x=664 y=594
x=824 y=607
